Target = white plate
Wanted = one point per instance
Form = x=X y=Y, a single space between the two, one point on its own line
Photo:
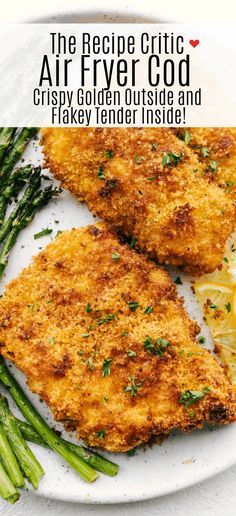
x=181 y=461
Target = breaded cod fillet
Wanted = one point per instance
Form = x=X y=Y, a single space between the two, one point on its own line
x=149 y=185
x=103 y=338
x=216 y=149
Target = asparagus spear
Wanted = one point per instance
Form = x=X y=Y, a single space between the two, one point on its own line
x=16 y=151
x=12 y=187
x=95 y=460
x=10 y=461
x=7 y=490
x=24 y=216
x=34 y=183
x=41 y=427
x=6 y=139
x=28 y=462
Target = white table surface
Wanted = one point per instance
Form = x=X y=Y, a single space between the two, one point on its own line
x=217 y=496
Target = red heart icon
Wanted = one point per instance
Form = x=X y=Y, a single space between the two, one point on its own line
x=194 y=42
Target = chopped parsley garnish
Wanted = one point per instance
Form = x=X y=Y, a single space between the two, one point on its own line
x=225 y=259
x=191 y=414
x=229 y=185
x=85 y=335
x=106 y=366
x=131 y=353
x=171 y=159
x=205 y=152
x=201 y=339
x=42 y=233
x=187 y=137
x=132 y=452
x=106 y=319
x=137 y=159
x=214 y=166
x=124 y=334
x=133 y=305
x=133 y=387
x=88 y=308
x=52 y=341
x=115 y=256
x=101 y=172
x=153 y=146
x=228 y=307
x=133 y=242
x=101 y=433
x=213 y=306
x=156 y=346
x=178 y=281
x=89 y=363
x=148 y=310
x=109 y=153
x=189 y=397
x=151 y=178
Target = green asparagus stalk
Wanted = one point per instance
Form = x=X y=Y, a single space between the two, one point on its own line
x=10 y=461
x=6 y=139
x=16 y=151
x=95 y=460
x=12 y=187
x=41 y=427
x=27 y=460
x=7 y=490
x=34 y=183
x=23 y=218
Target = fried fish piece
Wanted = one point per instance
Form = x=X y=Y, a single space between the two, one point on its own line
x=216 y=149
x=149 y=185
x=103 y=338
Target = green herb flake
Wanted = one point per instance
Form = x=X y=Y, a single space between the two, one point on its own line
x=229 y=185
x=132 y=452
x=205 y=152
x=101 y=434
x=42 y=233
x=225 y=259
x=156 y=346
x=148 y=310
x=106 y=366
x=187 y=137
x=101 y=172
x=138 y=159
x=115 y=256
x=104 y=320
x=228 y=307
x=131 y=353
x=171 y=159
x=133 y=305
x=133 y=387
x=124 y=334
x=133 y=242
x=89 y=363
x=151 y=178
x=85 y=335
x=201 y=339
x=191 y=414
x=214 y=166
x=52 y=341
x=178 y=281
x=88 y=308
x=189 y=397
x=153 y=146
x=213 y=306
x=109 y=153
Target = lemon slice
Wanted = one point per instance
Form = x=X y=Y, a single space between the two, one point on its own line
x=218 y=301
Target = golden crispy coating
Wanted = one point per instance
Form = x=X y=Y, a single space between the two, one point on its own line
x=216 y=149
x=104 y=340
x=148 y=184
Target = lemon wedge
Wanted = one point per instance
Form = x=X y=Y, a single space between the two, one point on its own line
x=216 y=294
